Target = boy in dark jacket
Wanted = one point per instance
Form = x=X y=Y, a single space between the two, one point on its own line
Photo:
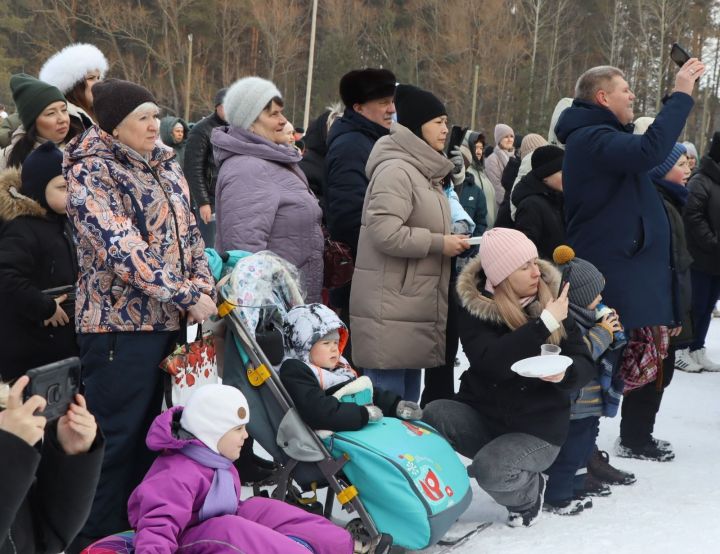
x=568 y=482
x=37 y=255
x=327 y=392
x=539 y=200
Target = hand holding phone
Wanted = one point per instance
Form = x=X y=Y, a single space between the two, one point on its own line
x=77 y=429
x=679 y=55
x=57 y=383
x=454 y=140
x=19 y=417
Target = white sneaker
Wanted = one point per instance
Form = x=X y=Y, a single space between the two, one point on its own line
x=716 y=312
x=700 y=358
x=685 y=362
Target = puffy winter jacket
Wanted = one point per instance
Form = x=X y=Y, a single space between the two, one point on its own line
x=141 y=255
x=263 y=202
x=36 y=253
x=509 y=402
x=702 y=217
x=200 y=167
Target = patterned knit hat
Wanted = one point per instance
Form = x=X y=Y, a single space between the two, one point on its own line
x=659 y=171
x=213 y=410
x=502 y=251
x=501 y=131
x=586 y=282
x=309 y=323
x=246 y=99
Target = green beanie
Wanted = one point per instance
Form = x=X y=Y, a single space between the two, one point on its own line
x=32 y=96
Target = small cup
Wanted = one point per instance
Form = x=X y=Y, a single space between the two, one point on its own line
x=550 y=350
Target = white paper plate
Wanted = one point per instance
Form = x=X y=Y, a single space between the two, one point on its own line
x=541 y=366
x=472 y=241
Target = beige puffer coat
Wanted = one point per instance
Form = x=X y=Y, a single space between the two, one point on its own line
x=398 y=303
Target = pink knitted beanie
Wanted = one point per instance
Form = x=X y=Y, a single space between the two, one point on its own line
x=502 y=251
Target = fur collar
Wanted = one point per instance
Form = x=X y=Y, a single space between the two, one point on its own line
x=471 y=283
x=12 y=203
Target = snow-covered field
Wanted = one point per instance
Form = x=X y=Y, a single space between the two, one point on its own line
x=673 y=508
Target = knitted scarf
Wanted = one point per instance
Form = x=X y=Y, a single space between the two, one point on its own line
x=222 y=498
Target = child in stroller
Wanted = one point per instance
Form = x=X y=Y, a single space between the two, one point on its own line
x=317 y=376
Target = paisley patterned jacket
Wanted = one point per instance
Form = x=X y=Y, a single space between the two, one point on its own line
x=140 y=252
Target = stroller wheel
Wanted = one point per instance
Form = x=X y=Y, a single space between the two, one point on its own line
x=363 y=543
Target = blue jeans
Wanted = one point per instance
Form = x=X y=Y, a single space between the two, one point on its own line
x=403 y=382
x=507 y=467
x=705 y=293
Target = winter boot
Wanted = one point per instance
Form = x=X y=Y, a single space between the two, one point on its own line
x=685 y=362
x=648 y=451
x=571 y=507
x=662 y=445
x=599 y=467
x=700 y=357
x=593 y=487
x=528 y=517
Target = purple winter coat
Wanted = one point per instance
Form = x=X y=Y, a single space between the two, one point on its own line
x=263 y=202
x=164 y=509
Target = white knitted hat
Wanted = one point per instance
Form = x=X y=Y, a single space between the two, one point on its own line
x=69 y=66
x=213 y=410
x=245 y=100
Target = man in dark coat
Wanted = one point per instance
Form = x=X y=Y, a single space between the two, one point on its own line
x=368 y=95
x=313 y=161
x=614 y=216
x=369 y=107
x=200 y=169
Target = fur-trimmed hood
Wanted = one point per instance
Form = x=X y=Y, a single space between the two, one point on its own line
x=471 y=283
x=12 y=202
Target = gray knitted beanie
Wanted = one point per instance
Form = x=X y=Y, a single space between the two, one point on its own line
x=246 y=99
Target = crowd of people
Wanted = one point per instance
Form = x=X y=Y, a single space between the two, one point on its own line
x=600 y=242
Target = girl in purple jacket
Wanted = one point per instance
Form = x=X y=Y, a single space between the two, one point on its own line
x=190 y=498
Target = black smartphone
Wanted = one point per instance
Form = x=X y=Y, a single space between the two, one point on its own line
x=454 y=140
x=57 y=383
x=679 y=55
x=565 y=278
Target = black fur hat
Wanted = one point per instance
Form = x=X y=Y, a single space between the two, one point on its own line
x=361 y=85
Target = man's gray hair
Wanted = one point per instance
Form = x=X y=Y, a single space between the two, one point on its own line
x=593 y=80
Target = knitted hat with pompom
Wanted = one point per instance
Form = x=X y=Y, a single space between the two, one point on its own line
x=586 y=282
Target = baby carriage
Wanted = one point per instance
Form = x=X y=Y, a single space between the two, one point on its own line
x=382 y=473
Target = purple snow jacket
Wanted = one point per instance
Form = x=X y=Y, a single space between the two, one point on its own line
x=164 y=509
x=263 y=202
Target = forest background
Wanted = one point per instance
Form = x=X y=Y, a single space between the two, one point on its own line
x=529 y=52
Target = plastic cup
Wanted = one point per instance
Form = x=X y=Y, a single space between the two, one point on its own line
x=550 y=350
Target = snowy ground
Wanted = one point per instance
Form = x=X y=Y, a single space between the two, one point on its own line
x=673 y=508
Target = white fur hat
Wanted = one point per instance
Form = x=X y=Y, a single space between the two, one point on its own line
x=213 y=410
x=66 y=68
x=246 y=98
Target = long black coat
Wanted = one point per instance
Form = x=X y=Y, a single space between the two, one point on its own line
x=320 y=409
x=199 y=163
x=36 y=253
x=508 y=402
x=313 y=161
x=45 y=498
x=539 y=214
x=702 y=217
x=350 y=140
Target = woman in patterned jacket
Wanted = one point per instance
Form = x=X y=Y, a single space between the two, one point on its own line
x=142 y=270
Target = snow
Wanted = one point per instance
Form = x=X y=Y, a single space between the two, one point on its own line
x=672 y=508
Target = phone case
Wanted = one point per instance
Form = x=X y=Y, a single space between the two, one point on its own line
x=58 y=383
